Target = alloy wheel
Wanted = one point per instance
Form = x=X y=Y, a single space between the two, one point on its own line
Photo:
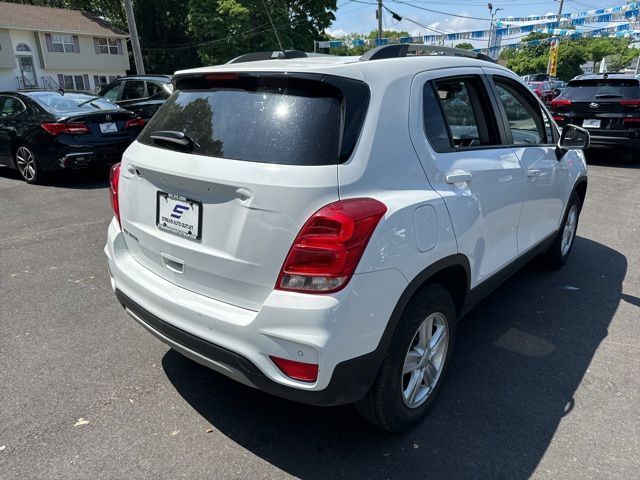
x=569 y=231
x=425 y=360
x=26 y=163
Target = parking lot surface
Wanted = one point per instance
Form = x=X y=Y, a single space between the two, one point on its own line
x=544 y=383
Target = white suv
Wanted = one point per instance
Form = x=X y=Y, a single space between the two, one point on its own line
x=315 y=227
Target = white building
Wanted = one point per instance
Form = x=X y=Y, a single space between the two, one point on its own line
x=44 y=47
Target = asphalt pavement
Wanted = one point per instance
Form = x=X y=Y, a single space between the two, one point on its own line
x=545 y=381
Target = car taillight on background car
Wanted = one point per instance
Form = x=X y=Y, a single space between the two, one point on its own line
x=134 y=122
x=327 y=250
x=114 y=184
x=55 y=128
x=560 y=102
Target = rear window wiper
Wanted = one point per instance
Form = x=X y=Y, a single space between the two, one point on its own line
x=173 y=137
x=88 y=101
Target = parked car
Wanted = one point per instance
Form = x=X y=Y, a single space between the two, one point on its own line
x=43 y=131
x=142 y=94
x=537 y=77
x=559 y=86
x=316 y=227
x=608 y=105
x=544 y=90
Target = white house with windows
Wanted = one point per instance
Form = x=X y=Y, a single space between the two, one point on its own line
x=44 y=47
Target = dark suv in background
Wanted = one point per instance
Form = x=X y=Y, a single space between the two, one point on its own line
x=608 y=105
x=141 y=94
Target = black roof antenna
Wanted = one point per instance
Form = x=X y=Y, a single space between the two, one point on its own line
x=273 y=26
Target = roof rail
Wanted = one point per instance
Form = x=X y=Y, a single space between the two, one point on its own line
x=410 y=50
x=275 y=55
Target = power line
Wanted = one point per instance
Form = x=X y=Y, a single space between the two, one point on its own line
x=440 y=12
x=441 y=32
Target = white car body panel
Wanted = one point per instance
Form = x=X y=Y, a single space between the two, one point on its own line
x=249 y=221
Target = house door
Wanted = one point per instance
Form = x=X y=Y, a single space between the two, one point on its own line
x=28 y=71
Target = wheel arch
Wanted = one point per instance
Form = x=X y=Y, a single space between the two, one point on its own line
x=581 y=189
x=452 y=272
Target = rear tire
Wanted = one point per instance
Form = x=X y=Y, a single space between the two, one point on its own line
x=559 y=251
x=411 y=375
x=28 y=165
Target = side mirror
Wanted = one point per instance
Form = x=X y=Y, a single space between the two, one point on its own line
x=573 y=137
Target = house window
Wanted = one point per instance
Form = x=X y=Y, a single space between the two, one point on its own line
x=108 y=46
x=23 y=47
x=74 y=82
x=62 y=43
x=68 y=82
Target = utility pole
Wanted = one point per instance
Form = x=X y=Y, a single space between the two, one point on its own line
x=379 y=15
x=135 y=42
x=493 y=13
x=553 y=54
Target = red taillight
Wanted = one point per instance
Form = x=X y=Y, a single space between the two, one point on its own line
x=114 y=183
x=134 y=122
x=558 y=118
x=631 y=120
x=630 y=105
x=71 y=128
x=560 y=102
x=306 y=372
x=327 y=250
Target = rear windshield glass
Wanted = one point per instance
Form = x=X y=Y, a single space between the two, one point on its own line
x=602 y=88
x=269 y=120
x=71 y=102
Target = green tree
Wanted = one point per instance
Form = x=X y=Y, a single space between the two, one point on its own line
x=465 y=46
x=373 y=34
x=197 y=32
x=229 y=28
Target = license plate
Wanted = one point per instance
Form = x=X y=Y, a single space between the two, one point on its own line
x=179 y=215
x=108 y=127
x=591 y=123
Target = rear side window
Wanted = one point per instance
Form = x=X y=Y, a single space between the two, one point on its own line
x=10 y=106
x=434 y=125
x=133 y=89
x=157 y=91
x=278 y=120
x=602 y=88
x=461 y=105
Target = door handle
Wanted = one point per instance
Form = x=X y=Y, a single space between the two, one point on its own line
x=458 y=176
x=533 y=173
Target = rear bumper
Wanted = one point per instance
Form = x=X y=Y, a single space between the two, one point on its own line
x=621 y=139
x=339 y=332
x=350 y=381
x=61 y=154
x=621 y=142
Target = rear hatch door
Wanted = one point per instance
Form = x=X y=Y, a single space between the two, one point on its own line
x=223 y=177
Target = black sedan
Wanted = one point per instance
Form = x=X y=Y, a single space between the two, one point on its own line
x=142 y=94
x=43 y=131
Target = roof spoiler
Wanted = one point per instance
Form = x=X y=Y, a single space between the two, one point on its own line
x=411 y=50
x=275 y=55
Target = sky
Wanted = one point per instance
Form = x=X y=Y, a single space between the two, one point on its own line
x=359 y=15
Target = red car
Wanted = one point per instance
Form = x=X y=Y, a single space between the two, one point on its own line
x=545 y=90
